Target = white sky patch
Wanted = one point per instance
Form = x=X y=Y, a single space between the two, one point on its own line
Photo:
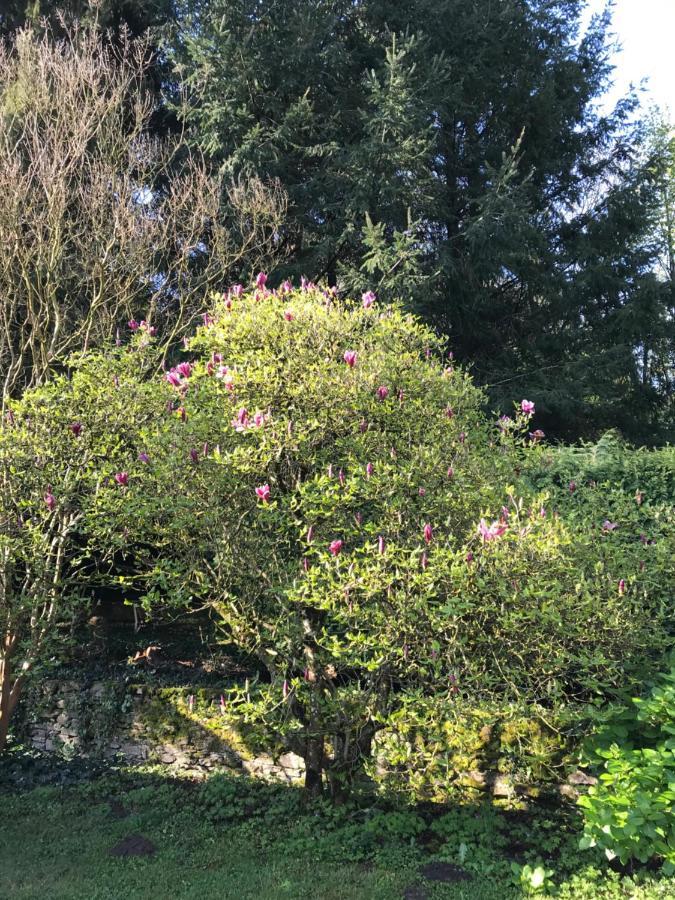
x=645 y=31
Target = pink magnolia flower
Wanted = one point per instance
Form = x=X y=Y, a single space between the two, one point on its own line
x=173 y=378
x=288 y=315
x=422 y=491
x=226 y=377
x=469 y=557
x=122 y=478
x=184 y=369
x=341 y=477
x=451 y=472
x=380 y=545
x=133 y=325
x=207 y=319
x=490 y=532
x=449 y=412
x=622 y=587
x=50 y=500
x=151 y=330
x=428 y=533
x=240 y=423
x=382 y=392
x=194 y=455
x=237 y=290
x=370 y=468
x=527 y=406
x=350 y=357
x=609 y=526
x=261 y=280
x=76 y=428
x=228 y=304
x=286 y=286
x=263 y=492
x=537 y=435
x=143 y=457
x=335 y=547
x=310 y=534
x=285 y=690
x=368 y=299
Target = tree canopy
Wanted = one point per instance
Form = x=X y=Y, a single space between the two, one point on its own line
x=457 y=153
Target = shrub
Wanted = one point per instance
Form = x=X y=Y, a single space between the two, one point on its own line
x=631 y=812
x=62 y=447
x=340 y=499
x=328 y=483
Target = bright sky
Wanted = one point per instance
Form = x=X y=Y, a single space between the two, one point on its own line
x=645 y=29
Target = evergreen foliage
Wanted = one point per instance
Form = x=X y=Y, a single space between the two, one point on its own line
x=455 y=153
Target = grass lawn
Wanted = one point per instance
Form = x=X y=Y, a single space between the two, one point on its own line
x=231 y=838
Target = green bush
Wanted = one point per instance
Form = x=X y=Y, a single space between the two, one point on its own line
x=630 y=814
x=340 y=499
x=321 y=476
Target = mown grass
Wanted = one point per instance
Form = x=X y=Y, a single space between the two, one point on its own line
x=235 y=839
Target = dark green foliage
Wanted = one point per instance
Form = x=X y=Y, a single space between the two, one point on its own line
x=136 y=15
x=451 y=153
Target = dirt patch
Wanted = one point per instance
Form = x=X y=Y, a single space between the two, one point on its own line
x=443 y=871
x=134 y=845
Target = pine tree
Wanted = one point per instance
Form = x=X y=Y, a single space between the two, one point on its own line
x=451 y=153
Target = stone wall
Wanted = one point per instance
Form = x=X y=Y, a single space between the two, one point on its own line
x=142 y=724
x=188 y=730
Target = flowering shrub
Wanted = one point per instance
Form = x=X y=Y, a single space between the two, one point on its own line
x=332 y=488
x=62 y=449
x=327 y=481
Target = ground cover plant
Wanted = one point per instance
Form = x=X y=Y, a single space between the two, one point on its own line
x=229 y=837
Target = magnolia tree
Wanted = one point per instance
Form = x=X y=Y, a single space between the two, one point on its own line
x=332 y=488
x=322 y=476
x=59 y=452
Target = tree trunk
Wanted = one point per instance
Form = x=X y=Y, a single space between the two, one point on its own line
x=9 y=694
x=314 y=754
